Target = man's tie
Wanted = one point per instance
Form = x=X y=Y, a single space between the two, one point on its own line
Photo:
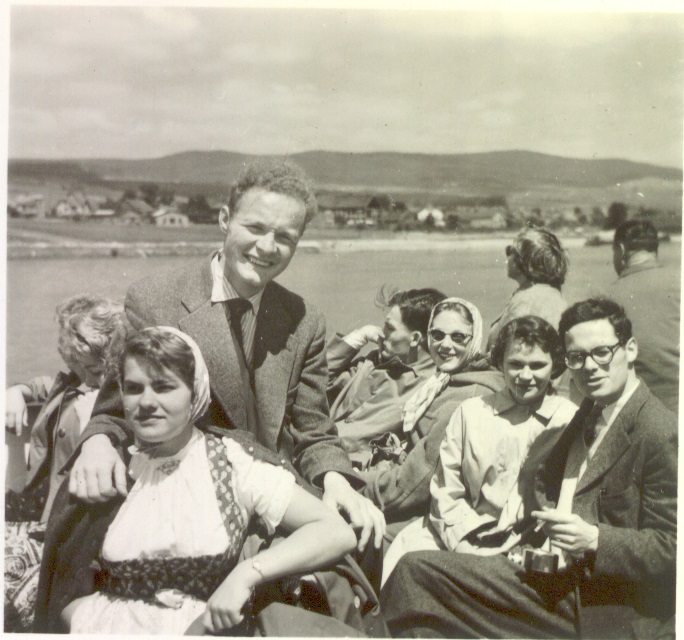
x=590 y=425
x=238 y=307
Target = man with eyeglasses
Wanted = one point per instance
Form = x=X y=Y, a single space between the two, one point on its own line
x=602 y=497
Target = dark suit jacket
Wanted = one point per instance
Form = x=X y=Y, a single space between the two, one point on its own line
x=290 y=373
x=630 y=491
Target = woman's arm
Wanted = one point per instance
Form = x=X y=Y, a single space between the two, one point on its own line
x=319 y=537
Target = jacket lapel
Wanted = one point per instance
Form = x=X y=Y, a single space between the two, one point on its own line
x=43 y=427
x=209 y=326
x=275 y=345
x=616 y=441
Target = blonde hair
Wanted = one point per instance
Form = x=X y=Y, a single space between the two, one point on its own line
x=87 y=326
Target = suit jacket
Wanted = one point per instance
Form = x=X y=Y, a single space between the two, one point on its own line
x=290 y=373
x=629 y=490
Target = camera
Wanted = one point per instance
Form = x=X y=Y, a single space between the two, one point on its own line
x=539 y=561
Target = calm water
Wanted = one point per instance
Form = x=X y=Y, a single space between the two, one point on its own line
x=342 y=285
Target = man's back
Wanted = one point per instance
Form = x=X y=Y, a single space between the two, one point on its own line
x=650 y=296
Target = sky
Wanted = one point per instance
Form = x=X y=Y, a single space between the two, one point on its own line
x=144 y=82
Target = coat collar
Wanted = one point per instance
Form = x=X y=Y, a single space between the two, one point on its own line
x=503 y=401
x=617 y=439
x=274 y=346
x=615 y=442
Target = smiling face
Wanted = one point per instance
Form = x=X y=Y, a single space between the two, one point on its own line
x=447 y=354
x=602 y=383
x=261 y=238
x=157 y=404
x=527 y=371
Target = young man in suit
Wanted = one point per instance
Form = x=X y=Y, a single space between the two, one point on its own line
x=604 y=493
x=264 y=347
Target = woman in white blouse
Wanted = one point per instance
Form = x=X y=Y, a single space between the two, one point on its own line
x=476 y=503
x=170 y=556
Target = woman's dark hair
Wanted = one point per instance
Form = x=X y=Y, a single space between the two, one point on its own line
x=531 y=331
x=597 y=309
x=159 y=349
x=541 y=257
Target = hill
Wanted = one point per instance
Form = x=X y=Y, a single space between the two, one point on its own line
x=504 y=173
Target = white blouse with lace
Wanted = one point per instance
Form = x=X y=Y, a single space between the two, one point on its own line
x=171 y=511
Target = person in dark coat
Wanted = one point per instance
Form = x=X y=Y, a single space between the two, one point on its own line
x=264 y=347
x=650 y=292
x=604 y=495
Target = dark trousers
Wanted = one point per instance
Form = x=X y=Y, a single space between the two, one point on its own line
x=441 y=594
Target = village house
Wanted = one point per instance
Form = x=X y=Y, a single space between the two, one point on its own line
x=26 y=206
x=170 y=217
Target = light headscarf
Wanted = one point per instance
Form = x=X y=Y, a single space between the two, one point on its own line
x=419 y=402
x=200 y=388
x=200 y=401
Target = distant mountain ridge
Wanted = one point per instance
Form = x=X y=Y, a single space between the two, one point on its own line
x=491 y=173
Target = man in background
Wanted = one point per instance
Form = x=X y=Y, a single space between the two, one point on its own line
x=650 y=294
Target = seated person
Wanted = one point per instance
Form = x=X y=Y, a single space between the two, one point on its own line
x=476 y=505
x=87 y=325
x=196 y=494
x=398 y=479
x=604 y=491
x=367 y=388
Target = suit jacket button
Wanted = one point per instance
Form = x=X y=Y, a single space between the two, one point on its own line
x=251 y=449
x=282 y=461
x=61 y=433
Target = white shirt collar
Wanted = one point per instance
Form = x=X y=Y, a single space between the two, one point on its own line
x=611 y=411
x=222 y=290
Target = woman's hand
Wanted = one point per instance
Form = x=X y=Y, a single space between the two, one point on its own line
x=226 y=604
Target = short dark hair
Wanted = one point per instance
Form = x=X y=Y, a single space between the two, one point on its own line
x=637 y=235
x=531 y=331
x=159 y=349
x=278 y=176
x=415 y=305
x=597 y=309
x=541 y=257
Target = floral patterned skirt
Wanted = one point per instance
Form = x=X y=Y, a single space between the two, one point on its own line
x=23 y=552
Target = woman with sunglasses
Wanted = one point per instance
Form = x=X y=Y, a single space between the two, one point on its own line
x=476 y=506
x=399 y=480
x=538 y=263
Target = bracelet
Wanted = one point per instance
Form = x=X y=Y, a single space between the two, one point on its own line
x=256 y=565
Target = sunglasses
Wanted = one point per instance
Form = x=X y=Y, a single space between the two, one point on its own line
x=456 y=337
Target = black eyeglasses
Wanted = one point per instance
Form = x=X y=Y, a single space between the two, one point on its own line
x=600 y=355
x=456 y=337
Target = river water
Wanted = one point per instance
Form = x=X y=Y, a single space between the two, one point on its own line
x=342 y=285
